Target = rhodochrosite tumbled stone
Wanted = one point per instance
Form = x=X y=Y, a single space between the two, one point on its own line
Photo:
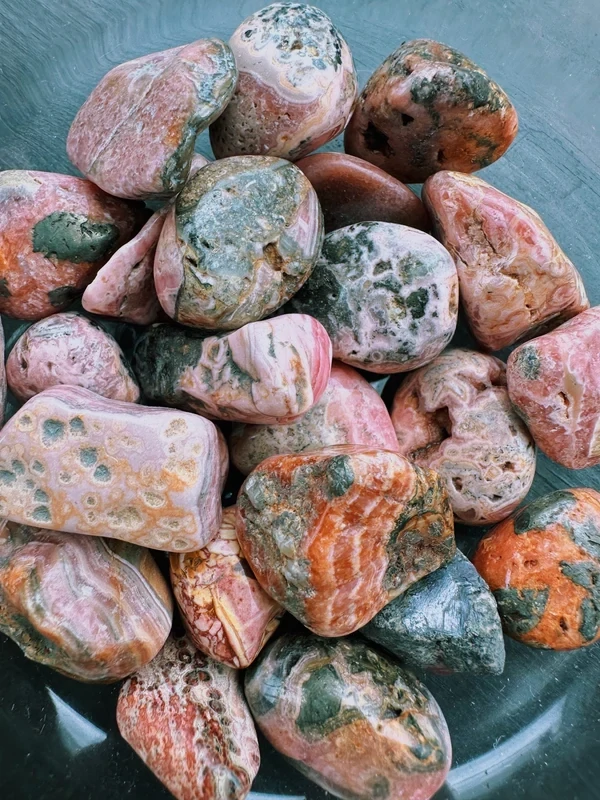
x=446 y=622
x=387 y=295
x=349 y=412
x=350 y=719
x=334 y=535
x=226 y=612
x=135 y=134
x=73 y=461
x=296 y=87
x=426 y=108
x=515 y=281
x=454 y=416
x=544 y=569
x=70 y=350
x=186 y=718
x=352 y=190
x=242 y=237
x=267 y=372
x=55 y=232
x=554 y=383
x=94 y=609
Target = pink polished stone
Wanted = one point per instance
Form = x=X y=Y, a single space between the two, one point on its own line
x=135 y=134
x=2 y=376
x=296 y=87
x=349 y=412
x=515 y=281
x=455 y=417
x=73 y=461
x=268 y=372
x=554 y=384
x=226 y=612
x=352 y=190
x=69 y=350
x=56 y=231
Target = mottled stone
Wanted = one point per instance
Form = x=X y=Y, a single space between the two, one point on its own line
x=226 y=612
x=267 y=372
x=93 y=609
x=352 y=190
x=242 y=237
x=135 y=134
x=515 y=281
x=2 y=376
x=350 y=719
x=543 y=566
x=447 y=622
x=454 y=415
x=56 y=231
x=334 y=535
x=349 y=412
x=186 y=718
x=296 y=88
x=73 y=461
x=427 y=108
x=68 y=349
x=554 y=384
x=386 y=294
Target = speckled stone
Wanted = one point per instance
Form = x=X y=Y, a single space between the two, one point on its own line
x=2 y=376
x=135 y=134
x=68 y=349
x=186 y=718
x=243 y=236
x=454 y=416
x=333 y=535
x=73 y=461
x=349 y=412
x=350 y=719
x=352 y=190
x=267 y=372
x=386 y=294
x=543 y=567
x=515 y=281
x=56 y=231
x=427 y=108
x=554 y=384
x=447 y=622
x=93 y=609
x=296 y=87
x=226 y=612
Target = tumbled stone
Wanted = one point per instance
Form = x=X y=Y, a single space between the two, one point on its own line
x=515 y=281
x=427 y=108
x=554 y=384
x=55 y=233
x=226 y=612
x=135 y=134
x=455 y=416
x=386 y=294
x=352 y=190
x=296 y=88
x=68 y=349
x=2 y=376
x=334 y=535
x=186 y=718
x=543 y=567
x=242 y=237
x=94 y=609
x=267 y=372
x=73 y=461
x=447 y=622
x=349 y=412
x=350 y=718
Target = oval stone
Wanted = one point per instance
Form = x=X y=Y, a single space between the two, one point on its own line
x=386 y=294
x=428 y=108
x=350 y=718
x=296 y=85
